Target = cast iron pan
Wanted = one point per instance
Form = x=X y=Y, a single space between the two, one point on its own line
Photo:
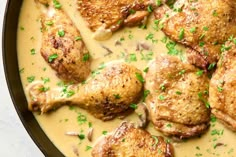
x=14 y=83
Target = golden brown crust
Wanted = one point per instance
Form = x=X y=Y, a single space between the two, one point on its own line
x=128 y=141
x=107 y=95
x=213 y=21
x=222 y=96
x=113 y=13
x=178 y=97
x=70 y=60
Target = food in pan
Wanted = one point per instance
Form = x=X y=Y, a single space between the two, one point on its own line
x=177 y=102
x=107 y=95
x=201 y=25
x=127 y=140
x=81 y=89
x=222 y=87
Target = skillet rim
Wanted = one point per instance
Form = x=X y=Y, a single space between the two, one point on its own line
x=12 y=76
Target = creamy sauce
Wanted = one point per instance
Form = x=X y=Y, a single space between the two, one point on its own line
x=123 y=45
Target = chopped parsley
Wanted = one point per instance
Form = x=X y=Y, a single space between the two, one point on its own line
x=161 y=97
x=149 y=9
x=132 y=11
x=22 y=28
x=88 y=148
x=205 y=28
x=178 y=92
x=52 y=57
x=44 y=89
x=156 y=141
x=30 y=79
x=133 y=106
x=81 y=119
x=201 y=43
x=56 y=4
x=220 y=89
x=199 y=72
x=171 y=48
x=104 y=132
x=182 y=72
x=158 y=2
x=225 y=48
x=117 y=96
x=90 y=124
x=181 y=34
x=146 y=69
x=61 y=33
x=145 y=94
x=148 y=56
x=86 y=57
x=140 y=77
x=211 y=66
x=214 y=13
x=131 y=58
x=200 y=97
x=193 y=29
x=49 y=23
x=81 y=136
x=78 y=38
x=213 y=118
x=21 y=70
x=32 y=51
x=45 y=80
x=202 y=36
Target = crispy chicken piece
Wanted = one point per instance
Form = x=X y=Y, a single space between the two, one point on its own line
x=201 y=25
x=112 y=14
x=222 y=92
x=128 y=141
x=177 y=101
x=62 y=46
x=107 y=95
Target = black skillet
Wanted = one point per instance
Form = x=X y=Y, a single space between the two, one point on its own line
x=14 y=83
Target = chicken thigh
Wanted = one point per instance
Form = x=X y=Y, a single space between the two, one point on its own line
x=107 y=95
x=222 y=92
x=112 y=14
x=62 y=45
x=128 y=141
x=201 y=25
x=177 y=100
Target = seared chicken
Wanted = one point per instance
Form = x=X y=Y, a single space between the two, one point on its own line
x=108 y=94
x=222 y=96
x=112 y=14
x=177 y=101
x=128 y=141
x=62 y=46
x=201 y=25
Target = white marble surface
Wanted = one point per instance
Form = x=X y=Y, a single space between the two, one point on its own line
x=14 y=140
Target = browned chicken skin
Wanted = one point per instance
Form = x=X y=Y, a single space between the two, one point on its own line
x=222 y=92
x=107 y=95
x=112 y=14
x=62 y=46
x=178 y=97
x=128 y=141
x=201 y=25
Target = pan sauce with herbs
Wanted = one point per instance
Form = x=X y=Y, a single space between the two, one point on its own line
x=135 y=46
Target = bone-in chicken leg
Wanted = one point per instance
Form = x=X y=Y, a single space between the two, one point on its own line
x=106 y=95
x=62 y=45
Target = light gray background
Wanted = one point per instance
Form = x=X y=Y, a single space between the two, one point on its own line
x=14 y=140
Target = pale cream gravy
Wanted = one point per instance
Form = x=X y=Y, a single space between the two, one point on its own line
x=57 y=123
